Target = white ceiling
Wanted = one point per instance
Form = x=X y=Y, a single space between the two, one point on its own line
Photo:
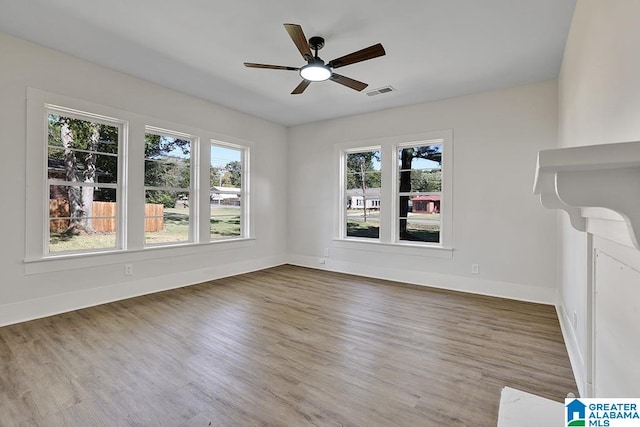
x=435 y=48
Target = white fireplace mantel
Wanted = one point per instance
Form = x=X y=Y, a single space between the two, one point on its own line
x=583 y=180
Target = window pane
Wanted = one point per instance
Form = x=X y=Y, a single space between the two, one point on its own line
x=81 y=165
x=424 y=181
x=363 y=181
x=225 y=221
x=77 y=225
x=225 y=178
x=421 y=228
x=81 y=217
x=81 y=134
x=420 y=157
x=419 y=171
x=68 y=241
x=166 y=217
x=167 y=162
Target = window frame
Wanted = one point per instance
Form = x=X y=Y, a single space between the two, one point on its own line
x=194 y=199
x=389 y=241
x=444 y=201
x=131 y=181
x=343 y=193
x=245 y=200
x=121 y=194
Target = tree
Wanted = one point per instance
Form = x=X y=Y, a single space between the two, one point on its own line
x=80 y=141
x=362 y=174
x=407 y=155
x=233 y=174
x=215 y=176
x=355 y=175
x=89 y=175
x=71 y=173
x=426 y=181
x=165 y=170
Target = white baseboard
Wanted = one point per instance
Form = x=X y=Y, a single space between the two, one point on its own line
x=573 y=349
x=23 y=311
x=442 y=281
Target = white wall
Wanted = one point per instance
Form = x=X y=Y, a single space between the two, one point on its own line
x=97 y=279
x=599 y=102
x=497 y=222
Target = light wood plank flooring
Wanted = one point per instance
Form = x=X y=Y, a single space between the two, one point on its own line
x=285 y=346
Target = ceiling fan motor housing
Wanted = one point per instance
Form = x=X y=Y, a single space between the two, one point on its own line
x=316 y=43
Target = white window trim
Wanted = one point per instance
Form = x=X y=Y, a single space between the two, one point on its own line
x=389 y=241
x=245 y=199
x=342 y=230
x=121 y=190
x=131 y=178
x=39 y=105
x=194 y=200
x=445 y=194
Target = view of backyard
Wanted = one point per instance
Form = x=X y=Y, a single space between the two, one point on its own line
x=82 y=175
x=225 y=223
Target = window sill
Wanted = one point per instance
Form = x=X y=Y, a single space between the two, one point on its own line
x=76 y=261
x=395 y=248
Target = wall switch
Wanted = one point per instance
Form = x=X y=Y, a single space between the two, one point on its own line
x=326 y=252
x=475 y=268
x=128 y=269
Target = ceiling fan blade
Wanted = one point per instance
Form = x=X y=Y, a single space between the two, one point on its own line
x=300 y=40
x=301 y=87
x=270 y=67
x=353 y=84
x=362 y=55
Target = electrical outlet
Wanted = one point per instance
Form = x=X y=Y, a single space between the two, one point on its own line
x=326 y=252
x=475 y=268
x=128 y=269
x=321 y=261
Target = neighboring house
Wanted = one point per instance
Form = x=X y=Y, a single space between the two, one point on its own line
x=426 y=204
x=356 y=198
x=225 y=196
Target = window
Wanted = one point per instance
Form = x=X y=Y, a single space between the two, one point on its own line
x=397 y=192
x=419 y=192
x=228 y=200
x=83 y=167
x=167 y=188
x=106 y=186
x=363 y=180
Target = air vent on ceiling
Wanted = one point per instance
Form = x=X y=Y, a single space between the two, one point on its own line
x=380 y=91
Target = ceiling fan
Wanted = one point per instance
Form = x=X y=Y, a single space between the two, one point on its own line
x=316 y=70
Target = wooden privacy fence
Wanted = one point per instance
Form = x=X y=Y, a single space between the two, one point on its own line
x=153 y=217
x=104 y=216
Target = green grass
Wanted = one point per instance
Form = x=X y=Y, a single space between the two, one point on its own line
x=176 y=228
x=414 y=235
x=69 y=242
x=224 y=223
x=363 y=229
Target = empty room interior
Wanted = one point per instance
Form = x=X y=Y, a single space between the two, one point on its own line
x=338 y=214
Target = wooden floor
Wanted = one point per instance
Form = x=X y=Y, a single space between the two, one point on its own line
x=285 y=346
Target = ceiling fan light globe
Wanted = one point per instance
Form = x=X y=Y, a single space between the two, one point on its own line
x=315 y=72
